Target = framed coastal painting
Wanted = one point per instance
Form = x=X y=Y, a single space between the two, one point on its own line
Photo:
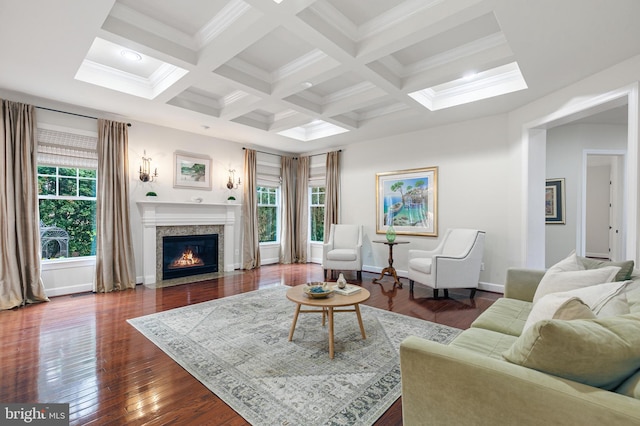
x=554 y=201
x=192 y=171
x=408 y=200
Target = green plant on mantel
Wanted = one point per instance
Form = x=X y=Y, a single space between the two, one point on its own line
x=151 y=194
x=231 y=198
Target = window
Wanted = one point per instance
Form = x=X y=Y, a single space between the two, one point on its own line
x=67 y=202
x=316 y=213
x=268 y=213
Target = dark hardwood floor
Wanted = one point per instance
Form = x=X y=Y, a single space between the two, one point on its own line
x=80 y=350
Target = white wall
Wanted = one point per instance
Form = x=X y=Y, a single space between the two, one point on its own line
x=472 y=160
x=565 y=147
x=527 y=144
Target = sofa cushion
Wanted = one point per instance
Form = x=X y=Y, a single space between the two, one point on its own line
x=599 y=352
x=558 y=306
x=484 y=342
x=631 y=386
x=626 y=267
x=504 y=316
x=342 y=254
x=421 y=264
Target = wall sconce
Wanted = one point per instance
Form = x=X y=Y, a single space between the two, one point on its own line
x=232 y=176
x=145 y=170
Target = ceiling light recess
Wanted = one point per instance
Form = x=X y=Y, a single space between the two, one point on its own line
x=487 y=84
x=131 y=55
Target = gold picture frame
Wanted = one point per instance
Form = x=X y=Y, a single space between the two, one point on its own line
x=408 y=199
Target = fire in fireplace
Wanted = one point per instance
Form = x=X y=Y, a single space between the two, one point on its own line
x=187 y=255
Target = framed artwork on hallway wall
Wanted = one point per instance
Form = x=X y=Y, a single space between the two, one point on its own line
x=191 y=171
x=408 y=200
x=554 y=201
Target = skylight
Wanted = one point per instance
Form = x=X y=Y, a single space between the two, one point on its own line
x=314 y=130
x=487 y=84
x=106 y=65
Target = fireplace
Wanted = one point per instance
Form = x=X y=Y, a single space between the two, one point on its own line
x=186 y=255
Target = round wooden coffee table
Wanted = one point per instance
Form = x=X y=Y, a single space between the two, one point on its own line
x=327 y=306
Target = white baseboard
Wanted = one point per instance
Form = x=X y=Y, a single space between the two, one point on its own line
x=494 y=288
x=62 y=291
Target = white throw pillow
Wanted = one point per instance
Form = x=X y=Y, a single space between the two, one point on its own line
x=555 y=281
x=618 y=304
x=558 y=306
x=607 y=299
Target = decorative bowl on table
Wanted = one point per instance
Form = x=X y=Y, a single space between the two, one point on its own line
x=317 y=290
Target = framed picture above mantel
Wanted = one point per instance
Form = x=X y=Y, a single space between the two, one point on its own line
x=408 y=200
x=191 y=171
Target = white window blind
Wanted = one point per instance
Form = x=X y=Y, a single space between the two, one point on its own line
x=268 y=170
x=318 y=170
x=67 y=148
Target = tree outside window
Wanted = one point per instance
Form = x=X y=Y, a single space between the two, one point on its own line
x=268 y=206
x=316 y=213
x=67 y=200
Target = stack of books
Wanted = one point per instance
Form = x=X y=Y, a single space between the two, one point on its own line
x=348 y=290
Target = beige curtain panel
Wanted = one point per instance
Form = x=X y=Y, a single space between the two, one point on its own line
x=301 y=232
x=20 y=281
x=250 y=236
x=331 y=208
x=115 y=266
x=287 y=228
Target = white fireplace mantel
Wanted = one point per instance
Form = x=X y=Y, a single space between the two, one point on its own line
x=173 y=213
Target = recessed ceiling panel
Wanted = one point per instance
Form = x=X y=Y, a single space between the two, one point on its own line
x=360 y=12
x=468 y=32
x=335 y=85
x=279 y=48
x=189 y=17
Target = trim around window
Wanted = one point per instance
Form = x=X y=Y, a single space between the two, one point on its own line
x=67 y=263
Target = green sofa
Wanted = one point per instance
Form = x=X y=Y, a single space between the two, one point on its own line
x=469 y=382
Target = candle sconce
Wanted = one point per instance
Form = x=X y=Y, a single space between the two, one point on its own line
x=145 y=170
x=231 y=184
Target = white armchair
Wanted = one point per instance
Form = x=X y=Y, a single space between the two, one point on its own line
x=455 y=263
x=343 y=251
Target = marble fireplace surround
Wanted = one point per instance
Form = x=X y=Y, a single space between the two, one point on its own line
x=158 y=217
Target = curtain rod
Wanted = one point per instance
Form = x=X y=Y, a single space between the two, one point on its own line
x=278 y=155
x=72 y=113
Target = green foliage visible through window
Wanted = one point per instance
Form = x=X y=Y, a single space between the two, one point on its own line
x=267 y=214
x=67 y=200
x=316 y=213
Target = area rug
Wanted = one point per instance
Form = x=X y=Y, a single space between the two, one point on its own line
x=238 y=347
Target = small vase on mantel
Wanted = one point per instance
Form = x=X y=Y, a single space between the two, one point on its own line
x=391 y=234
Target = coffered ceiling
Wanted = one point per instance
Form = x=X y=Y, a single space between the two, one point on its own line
x=307 y=75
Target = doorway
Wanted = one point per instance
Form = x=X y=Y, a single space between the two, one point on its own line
x=602 y=209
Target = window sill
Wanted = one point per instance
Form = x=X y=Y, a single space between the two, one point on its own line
x=69 y=262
